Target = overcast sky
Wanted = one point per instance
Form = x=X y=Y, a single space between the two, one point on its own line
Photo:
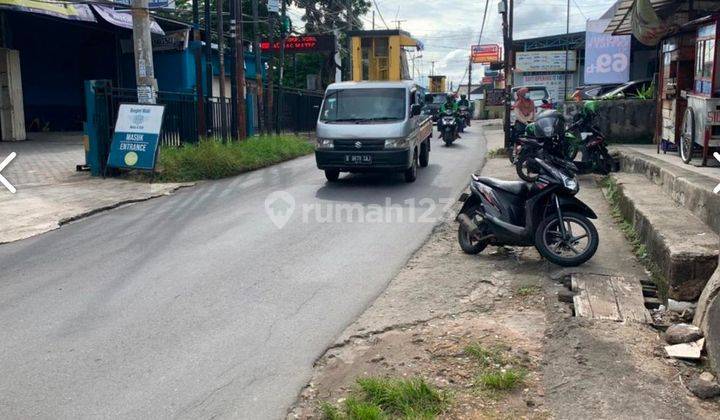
x=449 y=28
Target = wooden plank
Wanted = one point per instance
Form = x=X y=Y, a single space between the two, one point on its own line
x=602 y=297
x=582 y=305
x=630 y=300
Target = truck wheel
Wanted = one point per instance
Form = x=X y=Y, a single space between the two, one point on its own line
x=331 y=175
x=411 y=172
x=424 y=154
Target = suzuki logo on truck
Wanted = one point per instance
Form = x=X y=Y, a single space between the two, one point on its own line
x=358 y=145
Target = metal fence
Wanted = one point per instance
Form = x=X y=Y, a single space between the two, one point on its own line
x=299 y=111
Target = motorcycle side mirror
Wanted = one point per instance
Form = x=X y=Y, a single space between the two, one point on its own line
x=545 y=101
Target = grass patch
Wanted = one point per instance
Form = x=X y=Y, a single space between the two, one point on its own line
x=498 y=372
x=527 y=290
x=382 y=398
x=501 y=380
x=638 y=248
x=500 y=152
x=213 y=159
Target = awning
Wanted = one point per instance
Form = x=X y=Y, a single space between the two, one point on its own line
x=123 y=18
x=70 y=11
x=674 y=11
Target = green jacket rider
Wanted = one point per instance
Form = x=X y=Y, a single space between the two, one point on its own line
x=449 y=104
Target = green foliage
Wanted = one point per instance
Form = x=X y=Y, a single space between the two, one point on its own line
x=527 y=290
x=492 y=357
x=498 y=153
x=213 y=159
x=381 y=398
x=501 y=380
x=646 y=93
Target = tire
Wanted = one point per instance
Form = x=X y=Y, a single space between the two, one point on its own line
x=448 y=138
x=411 y=172
x=687 y=137
x=332 y=175
x=546 y=227
x=522 y=164
x=467 y=244
x=424 y=154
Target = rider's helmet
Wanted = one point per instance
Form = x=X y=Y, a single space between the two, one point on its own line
x=591 y=107
x=463 y=96
x=450 y=97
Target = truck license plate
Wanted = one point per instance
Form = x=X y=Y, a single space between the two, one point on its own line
x=358 y=159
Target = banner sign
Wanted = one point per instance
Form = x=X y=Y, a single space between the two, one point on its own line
x=63 y=10
x=527 y=61
x=299 y=44
x=555 y=84
x=135 y=140
x=485 y=54
x=607 y=57
x=123 y=18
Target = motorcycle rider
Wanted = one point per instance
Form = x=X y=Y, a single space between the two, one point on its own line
x=524 y=112
x=464 y=101
x=449 y=104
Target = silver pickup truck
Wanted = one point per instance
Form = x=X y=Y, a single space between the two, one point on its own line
x=373 y=127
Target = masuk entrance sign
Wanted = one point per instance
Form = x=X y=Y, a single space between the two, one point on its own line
x=137 y=132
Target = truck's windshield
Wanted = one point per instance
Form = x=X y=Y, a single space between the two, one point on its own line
x=364 y=105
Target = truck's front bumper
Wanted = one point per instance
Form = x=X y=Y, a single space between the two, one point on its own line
x=382 y=161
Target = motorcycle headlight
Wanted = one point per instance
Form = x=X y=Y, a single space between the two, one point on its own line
x=396 y=143
x=570 y=183
x=325 y=144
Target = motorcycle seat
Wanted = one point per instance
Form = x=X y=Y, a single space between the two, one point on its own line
x=513 y=187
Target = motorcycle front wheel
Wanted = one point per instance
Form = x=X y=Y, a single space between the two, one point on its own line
x=526 y=168
x=448 y=138
x=577 y=246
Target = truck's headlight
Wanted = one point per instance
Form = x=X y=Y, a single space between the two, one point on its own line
x=325 y=144
x=396 y=143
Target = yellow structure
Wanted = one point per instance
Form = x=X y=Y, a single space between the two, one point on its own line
x=437 y=84
x=380 y=55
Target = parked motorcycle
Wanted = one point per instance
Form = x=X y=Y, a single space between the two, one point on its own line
x=545 y=214
x=448 y=127
x=543 y=139
x=546 y=138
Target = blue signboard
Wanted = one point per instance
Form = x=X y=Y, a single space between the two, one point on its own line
x=607 y=57
x=135 y=141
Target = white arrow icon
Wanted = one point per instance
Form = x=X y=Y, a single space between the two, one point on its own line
x=3 y=180
x=717 y=188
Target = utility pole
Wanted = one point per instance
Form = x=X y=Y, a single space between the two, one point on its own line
x=144 y=72
x=432 y=68
x=269 y=116
x=258 y=66
x=507 y=46
x=221 y=65
x=197 y=54
x=373 y=21
x=283 y=36
x=338 y=57
x=469 y=79
x=567 y=45
x=349 y=40
x=239 y=70
x=208 y=69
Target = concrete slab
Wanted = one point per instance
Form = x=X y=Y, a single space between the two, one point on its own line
x=684 y=247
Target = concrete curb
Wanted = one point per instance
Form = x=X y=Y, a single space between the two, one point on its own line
x=689 y=189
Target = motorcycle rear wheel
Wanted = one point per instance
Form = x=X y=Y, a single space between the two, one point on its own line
x=468 y=244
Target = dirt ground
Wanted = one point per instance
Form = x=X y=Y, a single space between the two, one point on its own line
x=506 y=298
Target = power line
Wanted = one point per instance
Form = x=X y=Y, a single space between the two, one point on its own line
x=380 y=14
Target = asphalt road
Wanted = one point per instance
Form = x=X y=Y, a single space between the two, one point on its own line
x=197 y=305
